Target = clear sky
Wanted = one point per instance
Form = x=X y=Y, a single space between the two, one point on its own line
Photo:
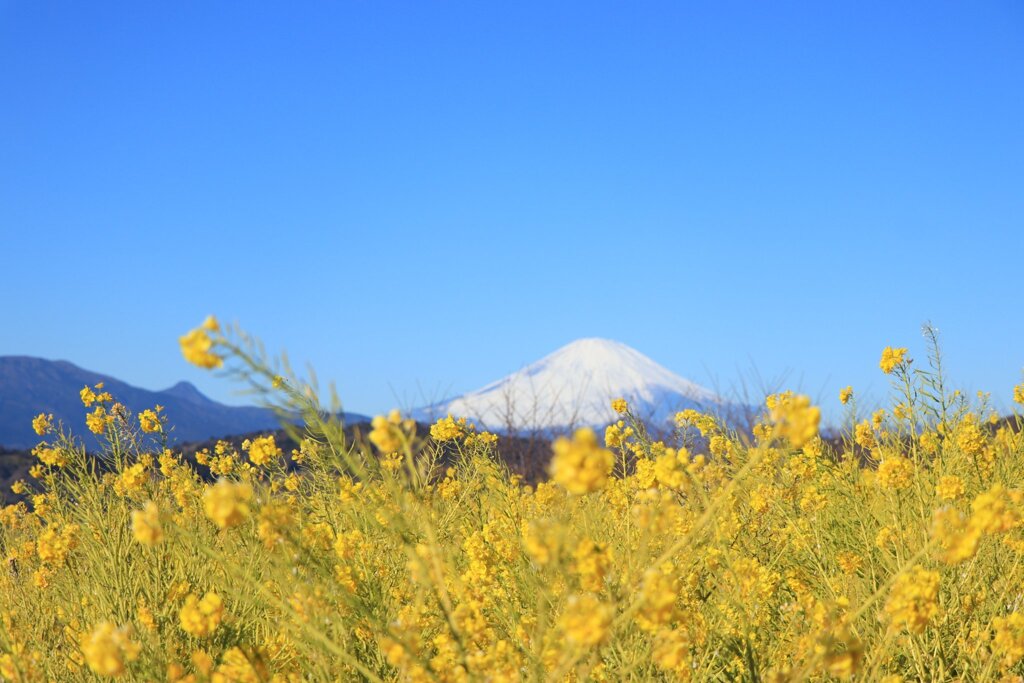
x=420 y=197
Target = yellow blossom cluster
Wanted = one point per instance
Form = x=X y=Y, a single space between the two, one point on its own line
x=913 y=600
x=891 y=359
x=201 y=616
x=795 y=418
x=108 y=649
x=261 y=450
x=149 y=420
x=580 y=464
x=448 y=429
x=889 y=548
x=226 y=503
x=197 y=345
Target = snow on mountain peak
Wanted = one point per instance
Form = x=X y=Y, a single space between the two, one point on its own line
x=574 y=386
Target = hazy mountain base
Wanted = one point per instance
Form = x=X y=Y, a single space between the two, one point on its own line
x=29 y=386
x=526 y=454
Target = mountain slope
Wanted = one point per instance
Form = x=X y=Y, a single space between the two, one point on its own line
x=29 y=386
x=574 y=386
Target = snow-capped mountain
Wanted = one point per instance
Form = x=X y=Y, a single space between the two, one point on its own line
x=573 y=387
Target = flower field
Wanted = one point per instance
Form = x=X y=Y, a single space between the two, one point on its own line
x=890 y=551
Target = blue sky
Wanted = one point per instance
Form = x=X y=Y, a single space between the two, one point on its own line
x=418 y=198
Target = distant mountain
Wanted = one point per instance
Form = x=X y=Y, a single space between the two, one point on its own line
x=574 y=386
x=29 y=386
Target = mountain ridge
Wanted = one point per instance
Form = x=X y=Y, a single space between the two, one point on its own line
x=30 y=385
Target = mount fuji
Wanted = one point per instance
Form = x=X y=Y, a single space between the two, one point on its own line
x=574 y=387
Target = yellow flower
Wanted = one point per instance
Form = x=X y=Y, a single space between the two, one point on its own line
x=958 y=538
x=235 y=667
x=864 y=435
x=98 y=420
x=885 y=537
x=1018 y=394
x=146 y=525
x=482 y=439
x=447 y=429
x=1009 y=637
x=812 y=500
x=87 y=396
x=108 y=649
x=149 y=421
x=385 y=434
x=613 y=435
x=841 y=651
x=991 y=512
x=620 y=406
x=913 y=600
x=227 y=503
x=274 y=520
x=929 y=442
x=196 y=346
x=849 y=562
x=200 y=618
x=969 y=437
x=539 y=541
x=581 y=465
x=40 y=504
x=895 y=472
x=845 y=395
x=144 y=615
x=53 y=546
x=8 y=671
x=131 y=479
x=950 y=487
x=891 y=358
x=54 y=457
x=704 y=423
x=671 y=468
x=202 y=661
x=795 y=418
x=586 y=621
x=671 y=652
x=42 y=424
x=658 y=593
x=262 y=450
x=592 y=562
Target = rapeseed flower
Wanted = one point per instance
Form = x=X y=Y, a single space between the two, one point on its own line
x=262 y=450
x=1008 y=638
x=913 y=600
x=197 y=345
x=447 y=429
x=586 y=620
x=149 y=421
x=226 y=503
x=201 y=617
x=42 y=424
x=146 y=526
x=580 y=464
x=108 y=649
x=891 y=358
